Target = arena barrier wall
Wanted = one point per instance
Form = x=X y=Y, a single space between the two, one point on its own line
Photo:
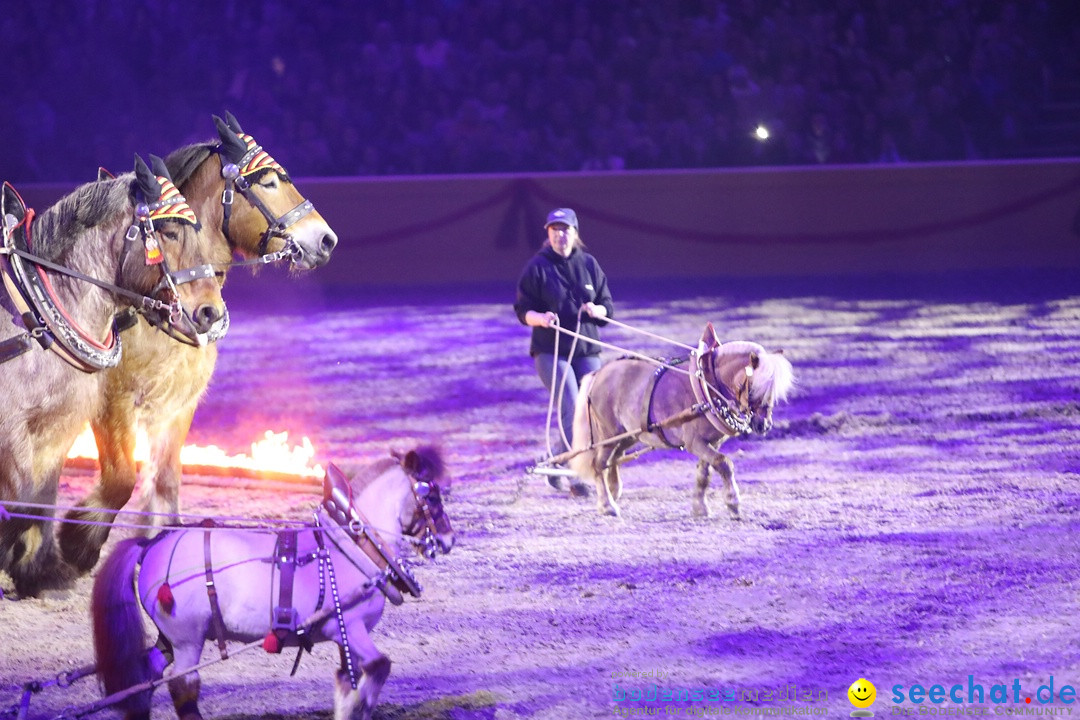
x=739 y=223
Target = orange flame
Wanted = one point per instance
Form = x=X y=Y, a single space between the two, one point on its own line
x=271 y=457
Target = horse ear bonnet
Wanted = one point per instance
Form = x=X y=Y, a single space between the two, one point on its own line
x=234 y=124
x=146 y=180
x=233 y=147
x=159 y=168
x=103 y=174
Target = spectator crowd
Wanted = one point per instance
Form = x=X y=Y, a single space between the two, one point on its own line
x=382 y=87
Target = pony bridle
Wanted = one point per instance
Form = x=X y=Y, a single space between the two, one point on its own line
x=345 y=514
x=235 y=175
x=427 y=543
x=735 y=413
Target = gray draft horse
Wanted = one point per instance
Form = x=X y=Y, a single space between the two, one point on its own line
x=47 y=398
x=730 y=390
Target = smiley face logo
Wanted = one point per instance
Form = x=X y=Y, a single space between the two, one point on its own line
x=862 y=693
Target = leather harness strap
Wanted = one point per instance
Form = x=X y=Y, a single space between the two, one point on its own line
x=211 y=592
x=285 y=615
x=646 y=420
x=15 y=346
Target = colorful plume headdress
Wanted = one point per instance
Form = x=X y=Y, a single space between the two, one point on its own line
x=259 y=158
x=171 y=205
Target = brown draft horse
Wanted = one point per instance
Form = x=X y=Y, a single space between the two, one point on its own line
x=159 y=383
x=627 y=401
x=49 y=396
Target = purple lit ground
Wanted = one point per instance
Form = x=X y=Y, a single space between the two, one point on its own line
x=913 y=517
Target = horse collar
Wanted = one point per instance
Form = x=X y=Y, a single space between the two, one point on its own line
x=368 y=540
x=44 y=317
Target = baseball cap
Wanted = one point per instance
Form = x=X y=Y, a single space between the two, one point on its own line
x=566 y=216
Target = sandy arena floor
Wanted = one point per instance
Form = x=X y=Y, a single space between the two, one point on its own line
x=912 y=519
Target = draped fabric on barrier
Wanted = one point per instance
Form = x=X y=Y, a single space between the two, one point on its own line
x=525 y=198
x=708 y=223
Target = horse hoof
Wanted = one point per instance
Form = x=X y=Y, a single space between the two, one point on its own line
x=55 y=594
x=579 y=490
x=556 y=482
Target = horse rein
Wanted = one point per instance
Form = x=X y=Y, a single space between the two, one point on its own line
x=367 y=538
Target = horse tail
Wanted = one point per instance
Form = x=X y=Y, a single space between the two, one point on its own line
x=583 y=411
x=583 y=431
x=120 y=642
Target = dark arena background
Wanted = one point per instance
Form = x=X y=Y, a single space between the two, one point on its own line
x=890 y=192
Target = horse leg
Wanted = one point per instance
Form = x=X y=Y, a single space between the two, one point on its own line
x=161 y=491
x=614 y=480
x=29 y=545
x=184 y=689
x=376 y=668
x=114 y=432
x=710 y=458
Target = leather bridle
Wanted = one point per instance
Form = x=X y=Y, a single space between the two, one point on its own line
x=256 y=160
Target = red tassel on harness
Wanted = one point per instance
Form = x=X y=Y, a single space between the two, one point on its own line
x=165 y=597
x=271 y=643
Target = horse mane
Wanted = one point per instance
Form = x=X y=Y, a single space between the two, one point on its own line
x=57 y=230
x=183 y=163
x=773 y=377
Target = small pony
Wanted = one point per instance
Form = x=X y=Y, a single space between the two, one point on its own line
x=325 y=581
x=264 y=218
x=70 y=274
x=729 y=390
